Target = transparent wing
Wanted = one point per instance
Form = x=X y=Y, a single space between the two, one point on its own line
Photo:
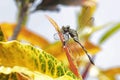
x=56 y=36
x=77 y=52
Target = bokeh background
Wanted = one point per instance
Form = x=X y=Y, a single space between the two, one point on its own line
x=107 y=11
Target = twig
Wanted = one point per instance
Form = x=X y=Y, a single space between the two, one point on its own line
x=21 y=17
x=72 y=65
x=17 y=29
x=84 y=75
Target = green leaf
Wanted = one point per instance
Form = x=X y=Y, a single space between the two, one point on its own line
x=109 y=33
x=14 y=53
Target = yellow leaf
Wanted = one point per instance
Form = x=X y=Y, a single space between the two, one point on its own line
x=112 y=72
x=109 y=74
x=12 y=74
x=55 y=25
x=14 y=53
x=56 y=49
x=84 y=17
x=2 y=36
x=99 y=74
x=21 y=73
x=24 y=35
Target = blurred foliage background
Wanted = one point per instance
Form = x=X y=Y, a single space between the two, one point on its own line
x=66 y=13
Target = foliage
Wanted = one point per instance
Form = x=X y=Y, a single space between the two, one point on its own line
x=13 y=53
x=20 y=59
x=109 y=33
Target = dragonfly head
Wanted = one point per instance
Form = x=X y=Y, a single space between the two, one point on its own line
x=65 y=29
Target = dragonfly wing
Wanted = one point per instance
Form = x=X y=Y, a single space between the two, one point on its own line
x=56 y=36
x=75 y=51
x=66 y=36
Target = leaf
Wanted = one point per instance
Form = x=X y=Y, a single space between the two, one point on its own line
x=51 y=5
x=112 y=72
x=22 y=2
x=109 y=33
x=16 y=73
x=21 y=73
x=24 y=34
x=13 y=76
x=31 y=1
x=57 y=51
x=14 y=53
x=109 y=74
x=2 y=38
x=55 y=25
x=88 y=31
x=47 y=5
x=85 y=16
x=71 y=2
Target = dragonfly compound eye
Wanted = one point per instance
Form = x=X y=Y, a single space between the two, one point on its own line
x=64 y=29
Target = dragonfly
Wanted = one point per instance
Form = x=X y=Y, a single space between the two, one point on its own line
x=67 y=33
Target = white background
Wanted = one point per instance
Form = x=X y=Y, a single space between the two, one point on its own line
x=107 y=11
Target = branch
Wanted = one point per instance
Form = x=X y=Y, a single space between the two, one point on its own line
x=72 y=65
x=84 y=75
x=21 y=17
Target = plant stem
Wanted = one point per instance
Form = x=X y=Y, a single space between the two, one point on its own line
x=72 y=65
x=84 y=75
x=21 y=19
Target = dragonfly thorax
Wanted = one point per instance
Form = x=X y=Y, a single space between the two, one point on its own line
x=65 y=29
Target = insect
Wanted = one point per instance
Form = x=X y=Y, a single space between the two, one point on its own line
x=68 y=32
